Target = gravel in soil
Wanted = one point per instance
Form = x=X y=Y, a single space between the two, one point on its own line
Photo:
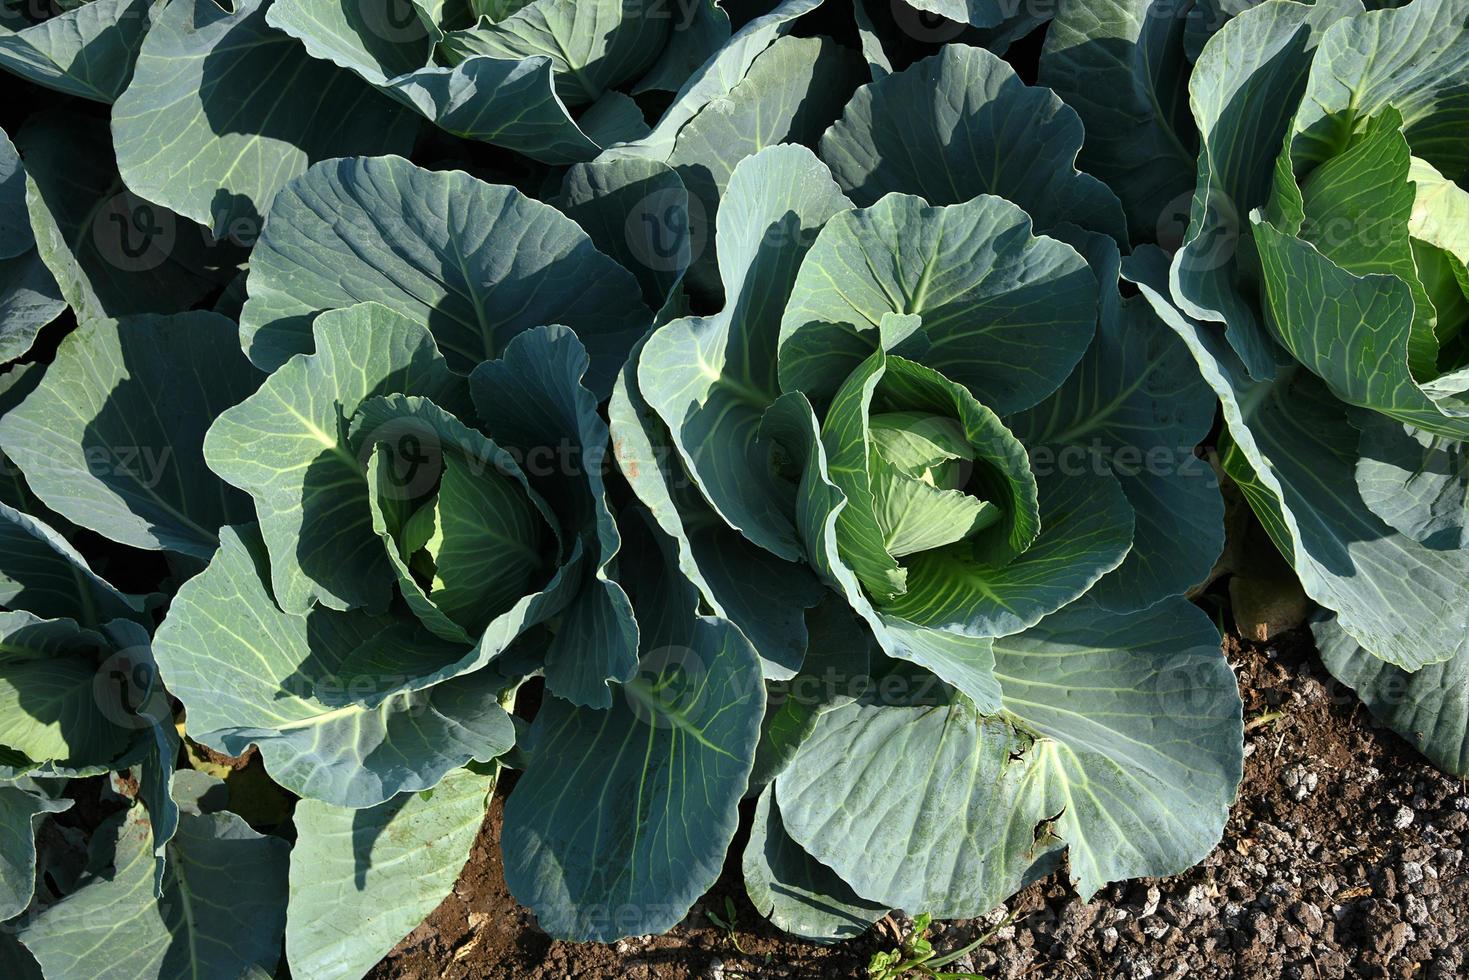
x=1343 y=858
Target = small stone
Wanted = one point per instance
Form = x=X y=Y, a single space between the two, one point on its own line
x=1308 y=916
x=1299 y=781
x=1109 y=939
x=1150 y=901
x=1196 y=903
x=1402 y=819
x=1412 y=873
x=1077 y=918
x=1264 y=928
x=1415 y=909
x=1136 y=969
x=1311 y=690
x=1390 y=941
x=1154 y=927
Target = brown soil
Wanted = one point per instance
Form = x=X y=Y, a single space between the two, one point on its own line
x=1343 y=858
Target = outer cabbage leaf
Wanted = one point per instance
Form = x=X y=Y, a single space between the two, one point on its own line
x=385 y=868
x=513 y=101
x=700 y=31
x=112 y=438
x=711 y=379
x=1243 y=89
x=1140 y=732
x=478 y=263
x=249 y=674
x=15 y=384
x=867 y=14
x=1428 y=707
x=591 y=46
x=919 y=807
x=16 y=960
x=208 y=126
x=795 y=891
x=49 y=696
x=765 y=596
x=901 y=31
x=28 y=295
x=975 y=13
x=637 y=212
x=87 y=51
x=112 y=253
x=1416 y=482
x=222 y=911
x=22 y=808
x=962 y=123
x=1132 y=763
x=716 y=78
x=836 y=669
x=1121 y=65
x=1406 y=603
x=28 y=301
x=1206 y=17
x=134 y=696
x=1137 y=407
x=15 y=228
x=41 y=573
x=622 y=818
x=507 y=97
x=791 y=93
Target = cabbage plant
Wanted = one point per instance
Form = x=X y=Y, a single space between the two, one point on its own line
x=887 y=401
x=1321 y=286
